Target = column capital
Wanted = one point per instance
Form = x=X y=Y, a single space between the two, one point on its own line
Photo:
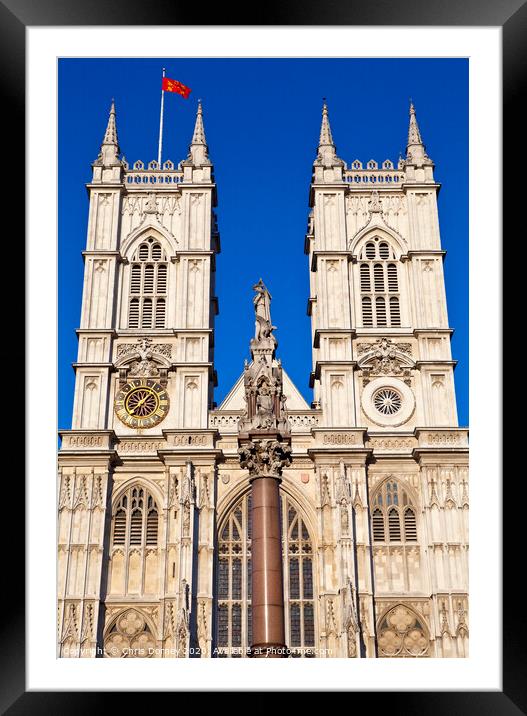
x=264 y=454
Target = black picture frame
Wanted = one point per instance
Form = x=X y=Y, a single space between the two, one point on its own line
x=511 y=15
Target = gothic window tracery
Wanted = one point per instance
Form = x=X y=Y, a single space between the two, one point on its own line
x=393 y=514
x=148 y=286
x=234 y=624
x=379 y=285
x=129 y=637
x=402 y=633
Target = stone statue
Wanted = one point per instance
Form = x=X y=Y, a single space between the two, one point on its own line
x=264 y=408
x=262 y=310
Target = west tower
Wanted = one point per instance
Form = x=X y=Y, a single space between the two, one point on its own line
x=129 y=478
x=383 y=380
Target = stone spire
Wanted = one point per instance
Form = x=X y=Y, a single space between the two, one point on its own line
x=199 y=130
x=109 y=154
x=198 y=154
x=326 y=138
x=415 y=150
x=327 y=151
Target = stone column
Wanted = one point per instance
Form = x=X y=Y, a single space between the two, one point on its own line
x=265 y=457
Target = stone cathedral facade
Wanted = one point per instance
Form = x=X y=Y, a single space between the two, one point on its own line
x=154 y=514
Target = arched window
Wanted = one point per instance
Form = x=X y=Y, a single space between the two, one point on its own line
x=378 y=275
x=380 y=309
x=135 y=519
x=393 y=515
x=367 y=315
x=148 y=286
x=365 y=283
x=379 y=285
x=395 y=314
x=234 y=624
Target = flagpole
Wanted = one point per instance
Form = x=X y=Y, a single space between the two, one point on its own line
x=161 y=122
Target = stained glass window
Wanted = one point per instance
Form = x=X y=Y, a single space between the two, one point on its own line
x=234 y=622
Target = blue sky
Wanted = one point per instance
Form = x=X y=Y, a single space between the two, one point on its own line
x=262 y=121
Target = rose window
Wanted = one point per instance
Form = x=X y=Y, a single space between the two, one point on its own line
x=387 y=401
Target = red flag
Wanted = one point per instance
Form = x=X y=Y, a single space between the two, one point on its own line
x=175 y=86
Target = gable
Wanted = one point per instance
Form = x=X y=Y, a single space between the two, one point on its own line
x=235 y=399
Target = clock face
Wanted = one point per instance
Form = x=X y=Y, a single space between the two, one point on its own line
x=142 y=403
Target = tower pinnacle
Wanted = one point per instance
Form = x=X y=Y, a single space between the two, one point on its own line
x=414 y=135
x=198 y=154
x=327 y=151
x=415 y=150
x=326 y=138
x=109 y=155
x=199 y=131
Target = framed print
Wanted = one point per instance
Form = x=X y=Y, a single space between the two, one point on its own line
x=239 y=476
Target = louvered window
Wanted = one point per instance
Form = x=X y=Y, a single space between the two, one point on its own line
x=378 y=274
x=365 y=284
x=148 y=281
x=136 y=527
x=380 y=308
x=394 y=525
x=160 y=313
x=378 y=526
x=162 y=279
x=410 y=527
x=147 y=313
x=119 y=527
x=367 y=315
x=151 y=527
x=393 y=516
x=392 y=278
x=384 y=250
x=379 y=285
x=135 y=285
x=395 y=314
x=133 y=318
x=133 y=525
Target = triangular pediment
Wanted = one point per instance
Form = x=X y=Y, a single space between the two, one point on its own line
x=235 y=399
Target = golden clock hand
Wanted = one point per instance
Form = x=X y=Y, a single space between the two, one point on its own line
x=139 y=403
